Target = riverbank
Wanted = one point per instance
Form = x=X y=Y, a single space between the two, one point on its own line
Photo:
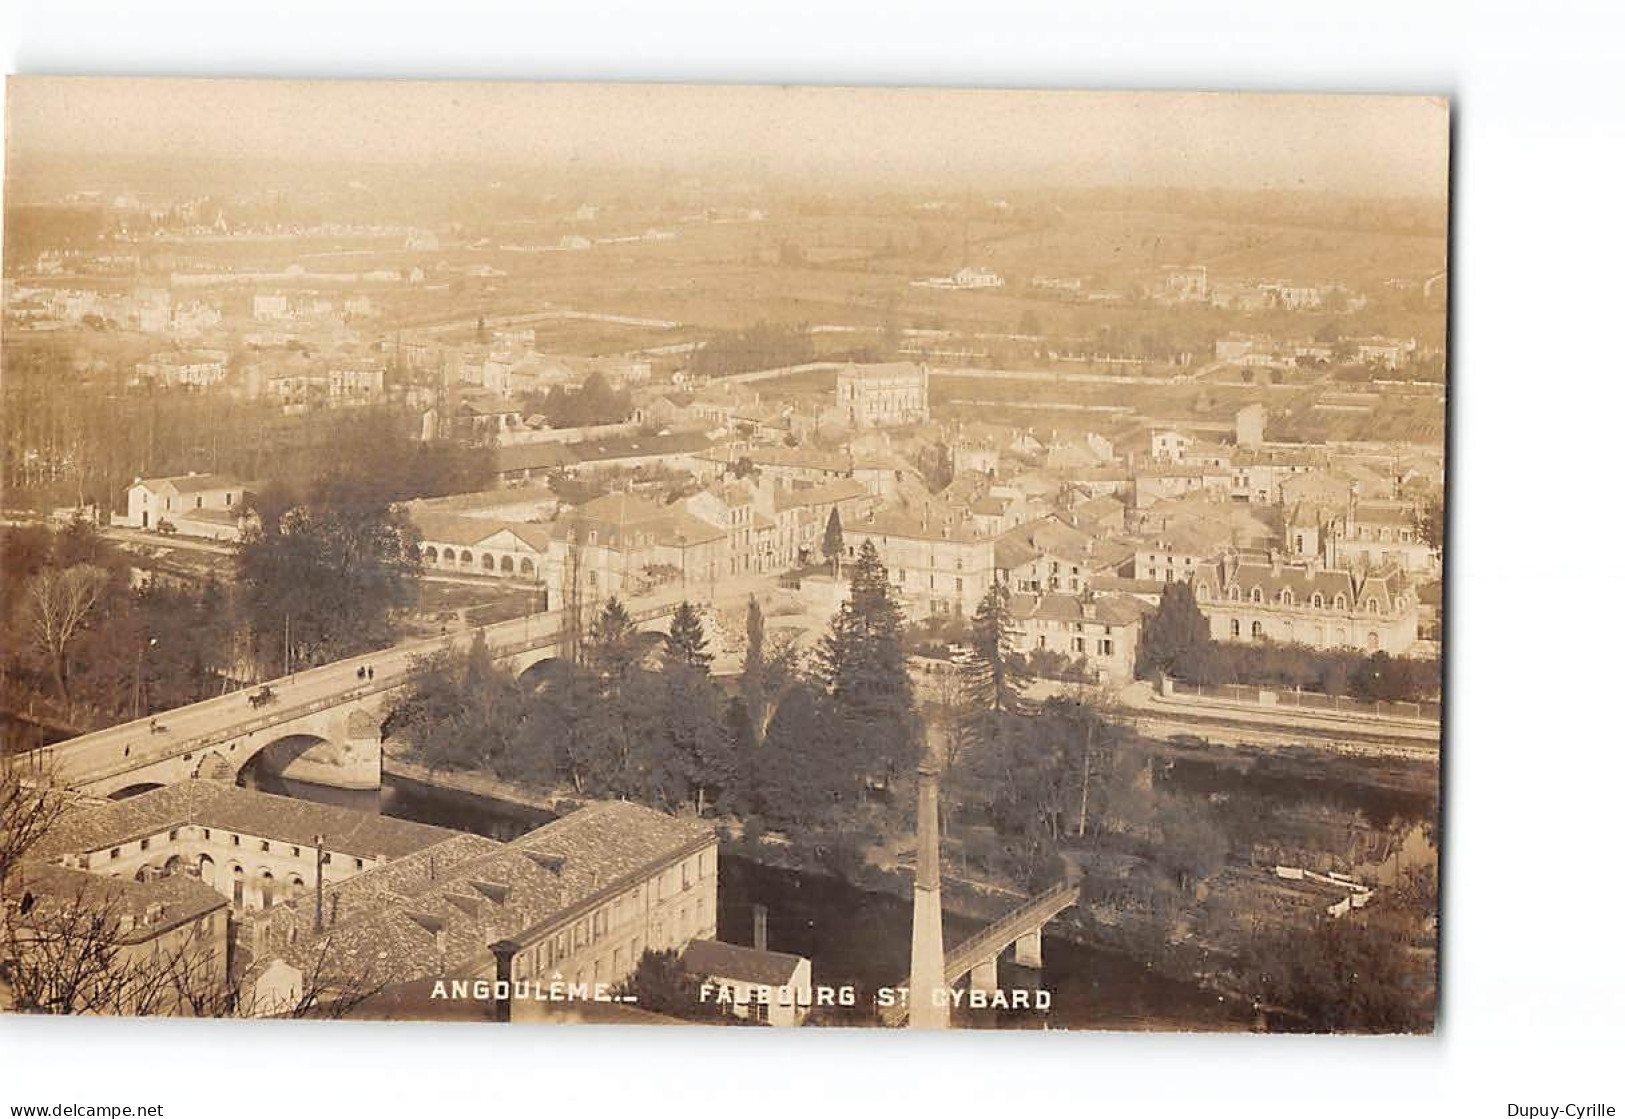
x=967 y=904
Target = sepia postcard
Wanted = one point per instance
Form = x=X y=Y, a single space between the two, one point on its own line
x=735 y=556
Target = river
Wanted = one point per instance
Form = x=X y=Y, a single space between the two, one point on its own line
x=852 y=936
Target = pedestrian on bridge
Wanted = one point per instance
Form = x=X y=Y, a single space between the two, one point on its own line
x=360 y=673
x=369 y=672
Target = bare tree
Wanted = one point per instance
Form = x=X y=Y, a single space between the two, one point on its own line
x=59 y=604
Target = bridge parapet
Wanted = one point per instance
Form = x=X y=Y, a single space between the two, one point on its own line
x=133 y=751
x=981 y=949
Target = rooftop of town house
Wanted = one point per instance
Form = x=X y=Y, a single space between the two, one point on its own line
x=194 y=483
x=1382 y=584
x=1123 y=585
x=488 y=406
x=639 y=446
x=618 y=508
x=151 y=907
x=825 y=493
x=533 y=456
x=717 y=960
x=918 y=522
x=1178 y=470
x=1047 y=536
x=881 y=371
x=1112 y=610
x=442 y=924
x=1097 y=508
x=226 y=808
x=1383 y=513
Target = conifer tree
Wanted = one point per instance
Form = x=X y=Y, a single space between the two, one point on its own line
x=1176 y=633
x=834 y=541
x=686 y=642
x=864 y=668
x=996 y=677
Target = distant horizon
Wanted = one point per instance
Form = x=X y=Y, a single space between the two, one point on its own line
x=1380 y=147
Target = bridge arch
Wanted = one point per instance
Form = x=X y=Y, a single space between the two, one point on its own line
x=537 y=672
x=266 y=765
x=431 y=554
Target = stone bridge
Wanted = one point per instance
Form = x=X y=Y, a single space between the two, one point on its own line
x=322 y=725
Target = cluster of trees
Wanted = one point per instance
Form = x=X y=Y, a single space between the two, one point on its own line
x=594 y=401
x=325 y=573
x=320 y=573
x=1177 y=641
x=81 y=632
x=1371 y=971
x=763 y=346
x=636 y=716
x=77 y=436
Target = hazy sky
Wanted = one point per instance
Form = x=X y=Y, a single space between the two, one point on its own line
x=1357 y=144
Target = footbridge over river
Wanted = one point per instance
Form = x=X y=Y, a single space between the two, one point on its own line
x=325 y=720
x=978 y=955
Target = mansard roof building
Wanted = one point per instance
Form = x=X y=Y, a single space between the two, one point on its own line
x=1307 y=604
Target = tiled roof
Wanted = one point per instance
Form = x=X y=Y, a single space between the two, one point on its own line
x=442 y=908
x=225 y=807
x=195 y=483
x=533 y=456
x=639 y=446
x=715 y=960
x=153 y=907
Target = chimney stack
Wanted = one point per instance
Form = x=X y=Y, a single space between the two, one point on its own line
x=759 y=930
x=504 y=951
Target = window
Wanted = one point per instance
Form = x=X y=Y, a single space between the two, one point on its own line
x=145 y=844
x=113 y=854
x=1258 y=629
x=1286 y=597
x=296 y=852
x=174 y=834
x=265 y=845
x=359 y=864
x=236 y=841
x=1235 y=627
x=1258 y=594
x=1317 y=600
x=207 y=834
x=1371 y=605
x=1341 y=602
x=1105 y=647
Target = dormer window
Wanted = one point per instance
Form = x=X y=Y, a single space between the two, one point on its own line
x=1258 y=594
x=1371 y=605
x=1317 y=600
x=1286 y=596
x=1341 y=602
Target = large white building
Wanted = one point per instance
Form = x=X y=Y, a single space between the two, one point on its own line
x=885 y=395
